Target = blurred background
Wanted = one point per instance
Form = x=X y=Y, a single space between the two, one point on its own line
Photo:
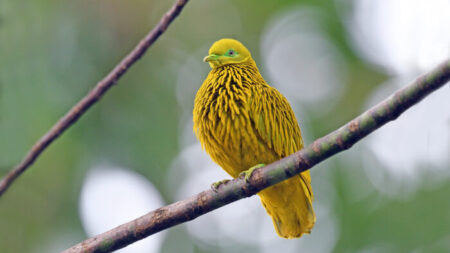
x=135 y=150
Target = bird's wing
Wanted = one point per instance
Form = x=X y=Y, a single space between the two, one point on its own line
x=275 y=123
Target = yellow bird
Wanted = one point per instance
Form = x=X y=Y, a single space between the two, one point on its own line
x=243 y=123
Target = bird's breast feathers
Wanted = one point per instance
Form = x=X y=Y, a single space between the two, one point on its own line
x=227 y=112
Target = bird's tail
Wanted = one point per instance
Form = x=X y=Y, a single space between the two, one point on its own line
x=290 y=205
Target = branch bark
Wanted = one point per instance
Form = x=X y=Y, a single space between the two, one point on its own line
x=92 y=97
x=321 y=149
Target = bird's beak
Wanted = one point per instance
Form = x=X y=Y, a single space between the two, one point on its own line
x=211 y=57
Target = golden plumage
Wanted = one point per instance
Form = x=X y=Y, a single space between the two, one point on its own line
x=241 y=121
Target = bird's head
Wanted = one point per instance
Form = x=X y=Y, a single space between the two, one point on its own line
x=227 y=51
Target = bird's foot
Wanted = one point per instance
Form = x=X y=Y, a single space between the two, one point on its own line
x=215 y=186
x=248 y=173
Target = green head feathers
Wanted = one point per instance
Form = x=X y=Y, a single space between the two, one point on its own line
x=227 y=51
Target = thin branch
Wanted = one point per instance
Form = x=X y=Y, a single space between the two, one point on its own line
x=92 y=97
x=321 y=149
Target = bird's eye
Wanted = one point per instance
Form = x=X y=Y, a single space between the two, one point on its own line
x=231 y=52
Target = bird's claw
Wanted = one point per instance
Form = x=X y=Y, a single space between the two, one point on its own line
x=215 y=186
x=248 y=173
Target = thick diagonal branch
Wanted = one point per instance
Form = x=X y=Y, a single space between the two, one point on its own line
x=92 y=97
x=319 y=150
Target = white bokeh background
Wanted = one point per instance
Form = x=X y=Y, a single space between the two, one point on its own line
x=405 y=38
x=402 y=36
x=301 y=62
x=112 y=196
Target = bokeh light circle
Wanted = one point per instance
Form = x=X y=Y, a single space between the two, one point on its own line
x=301 y=62
x=111 y=196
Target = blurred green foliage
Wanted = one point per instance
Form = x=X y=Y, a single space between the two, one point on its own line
x=52 y=52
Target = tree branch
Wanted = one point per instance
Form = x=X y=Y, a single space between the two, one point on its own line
x=321 y=149
x=92 y=97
